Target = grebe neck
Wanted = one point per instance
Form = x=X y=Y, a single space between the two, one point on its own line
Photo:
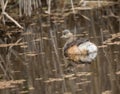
x=71 y=39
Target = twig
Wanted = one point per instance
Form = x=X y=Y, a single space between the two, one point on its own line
x=4 y=5
x=16 y=43
x=3 y=9
x=9 y=17
x=49 y=6
x=72 y=6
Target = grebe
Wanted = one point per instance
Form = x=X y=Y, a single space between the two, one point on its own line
x=78 y=50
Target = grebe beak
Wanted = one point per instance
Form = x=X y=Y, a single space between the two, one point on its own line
x=63 y=36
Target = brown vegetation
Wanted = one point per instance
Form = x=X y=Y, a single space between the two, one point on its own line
x=31 y=60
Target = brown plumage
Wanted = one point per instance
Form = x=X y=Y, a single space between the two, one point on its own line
x=78 y=49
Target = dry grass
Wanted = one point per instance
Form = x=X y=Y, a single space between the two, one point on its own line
x=31 y=47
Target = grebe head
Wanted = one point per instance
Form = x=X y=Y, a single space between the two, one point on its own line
x=66 y=34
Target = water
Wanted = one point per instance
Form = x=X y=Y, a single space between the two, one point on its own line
x=35 y=54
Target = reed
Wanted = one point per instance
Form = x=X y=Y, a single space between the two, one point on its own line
x=31 y=58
